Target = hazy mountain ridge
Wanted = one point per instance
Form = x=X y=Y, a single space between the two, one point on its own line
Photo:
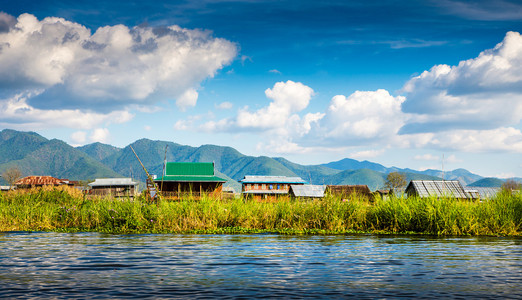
x=36 y=155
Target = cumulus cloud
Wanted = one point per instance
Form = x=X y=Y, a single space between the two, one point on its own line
x=187 y=99
x=281 y=116
x=282 y=119
x=287 y=98
x=109 y=69
x=363 y=116
x=17 y=114
x=475 y=106
x=6 y=22
x=483 y=93
x=101 y=135
x=500 y=139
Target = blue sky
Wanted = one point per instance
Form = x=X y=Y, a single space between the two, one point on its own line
x=402 y=83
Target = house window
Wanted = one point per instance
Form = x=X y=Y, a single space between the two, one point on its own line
x=256 y=186
x=263 y=186
x=278 y=186
x=270 y=187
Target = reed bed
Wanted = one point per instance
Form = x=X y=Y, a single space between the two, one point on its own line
x=65 y=209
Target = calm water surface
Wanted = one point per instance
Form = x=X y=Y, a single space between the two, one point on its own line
x=93 y=265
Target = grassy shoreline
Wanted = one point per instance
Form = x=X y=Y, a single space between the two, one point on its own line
x=66 y=210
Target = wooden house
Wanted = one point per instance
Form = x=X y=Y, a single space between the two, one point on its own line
x=438 y=188
x=115 y=187
x=383 y=193
x=350 y=191
x=190 y=179
x=39 y=181
x=268 y=188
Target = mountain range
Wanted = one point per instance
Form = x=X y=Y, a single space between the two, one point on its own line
x=36 y=155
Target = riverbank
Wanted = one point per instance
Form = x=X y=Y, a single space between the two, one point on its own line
x=67 y=210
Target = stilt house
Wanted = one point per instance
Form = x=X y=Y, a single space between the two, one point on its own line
x=268 y=188
x=349 y=191
x=190 y=180
x=115 y=187
x=437 y=188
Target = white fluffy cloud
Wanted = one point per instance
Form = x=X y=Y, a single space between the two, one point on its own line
x=363 y=116
x=17 y=114
x=109 y=69
x=500 y=139
x=287 y=98
x=475 y=106
x=101 y=135
x=280 y=117
x=483 y=93
x=282 y=120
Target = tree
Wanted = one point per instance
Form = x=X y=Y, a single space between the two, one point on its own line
x=11 y=175
x=395 y=181
x=511 y=185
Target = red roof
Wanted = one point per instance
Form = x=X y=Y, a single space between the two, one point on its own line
x=39 y=180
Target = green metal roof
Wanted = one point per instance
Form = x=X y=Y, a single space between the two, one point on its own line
x=190 y=172
x=189 y=169
x=190 y=179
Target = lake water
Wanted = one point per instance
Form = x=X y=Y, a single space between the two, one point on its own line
x=94 y=265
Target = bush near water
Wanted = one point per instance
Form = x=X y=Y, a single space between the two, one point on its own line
x=67 y=210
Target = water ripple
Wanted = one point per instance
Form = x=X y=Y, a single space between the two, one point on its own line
x=100 y=266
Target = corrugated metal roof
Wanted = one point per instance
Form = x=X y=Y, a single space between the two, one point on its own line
x=271 y=179
x=436 y=188
x=308 y=190
x=189 y=169
x=39 y=180
x=112 y=182
x=190 y=179
x=483 y=192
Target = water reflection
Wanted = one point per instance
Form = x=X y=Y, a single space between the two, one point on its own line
x=93 y=265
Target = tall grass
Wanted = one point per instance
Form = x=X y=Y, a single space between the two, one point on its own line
x=64 y=209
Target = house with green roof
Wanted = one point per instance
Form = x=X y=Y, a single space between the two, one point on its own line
x=192 y=179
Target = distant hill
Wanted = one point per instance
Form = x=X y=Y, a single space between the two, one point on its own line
x=488 y=182
x=36 y=155
x=461 y=175
x=99 y=151
x=352 y=164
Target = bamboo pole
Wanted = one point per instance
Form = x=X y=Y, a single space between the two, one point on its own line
x=148 y=176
